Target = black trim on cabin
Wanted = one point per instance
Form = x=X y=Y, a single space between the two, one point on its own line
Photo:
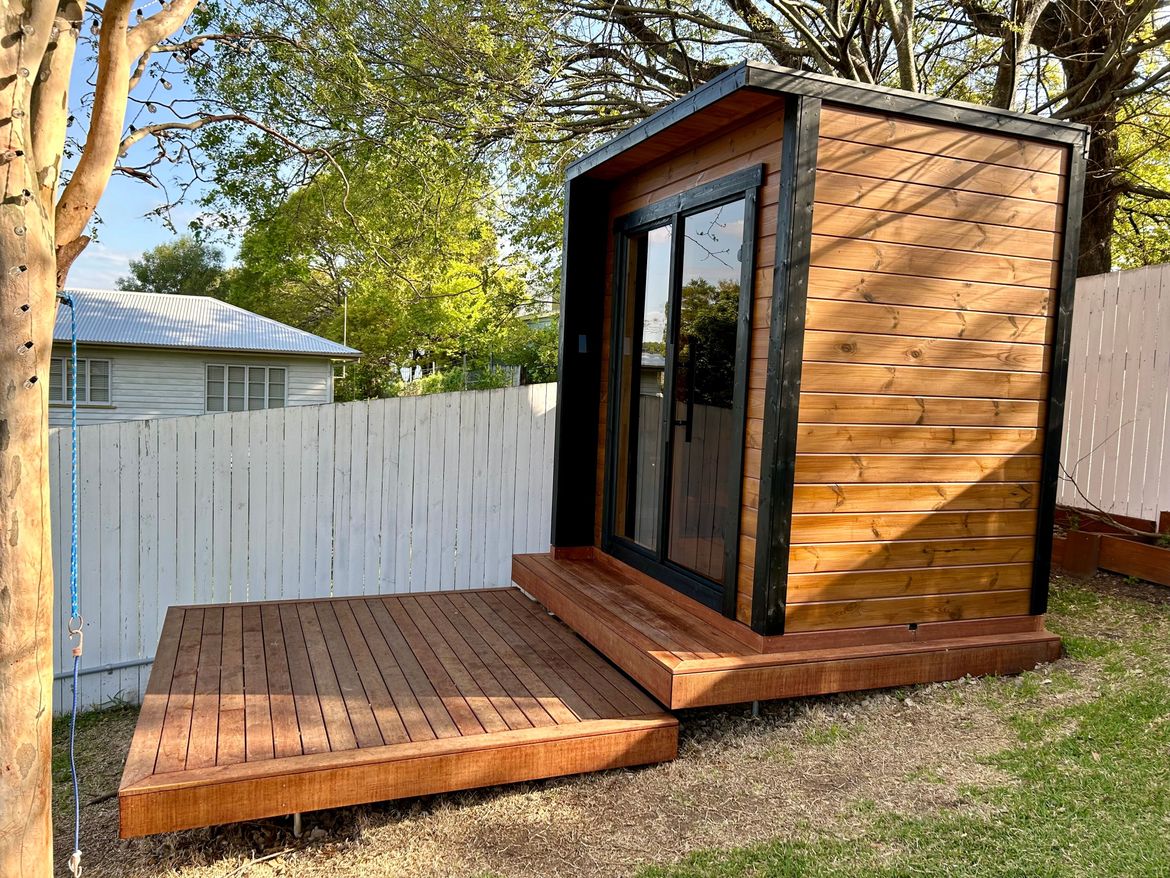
x=579 y=365
x=905 y=103
x=1058 y=377
x=666 y=434
x=782 y=81
x=739 y=185
x=798 y=151
x=704 y=196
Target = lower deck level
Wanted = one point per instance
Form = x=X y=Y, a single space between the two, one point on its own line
x=262 y=709
x=687 y=655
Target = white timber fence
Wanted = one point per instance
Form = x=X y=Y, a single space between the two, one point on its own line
x=380 y=497
x=1116 y=451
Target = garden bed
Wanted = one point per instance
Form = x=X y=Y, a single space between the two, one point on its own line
x=1083 y=545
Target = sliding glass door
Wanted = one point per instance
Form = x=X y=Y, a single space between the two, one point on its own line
x=702 y=439
x=681 y=305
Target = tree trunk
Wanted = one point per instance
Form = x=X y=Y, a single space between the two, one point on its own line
x=1101 y=200
x=26 y=566
x=27 y=312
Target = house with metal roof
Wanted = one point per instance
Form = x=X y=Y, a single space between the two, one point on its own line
x=151 y=355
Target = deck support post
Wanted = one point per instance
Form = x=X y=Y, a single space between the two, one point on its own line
x=755 y=710
x=298 y=830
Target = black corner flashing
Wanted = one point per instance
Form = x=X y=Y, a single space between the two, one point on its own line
x=1058 y=378
x=802 y=122
x=579 y=369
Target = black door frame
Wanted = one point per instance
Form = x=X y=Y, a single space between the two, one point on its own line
x=741 y=185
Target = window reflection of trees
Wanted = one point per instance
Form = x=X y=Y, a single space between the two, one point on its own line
x=708 y=326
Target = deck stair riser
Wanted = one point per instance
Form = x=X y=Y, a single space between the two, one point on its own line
x=685 y=659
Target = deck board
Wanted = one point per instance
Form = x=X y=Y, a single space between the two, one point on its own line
x=255 y=710
x=686 y=658
x=259 y=736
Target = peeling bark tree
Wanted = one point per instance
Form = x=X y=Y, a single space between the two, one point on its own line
x=42 y=230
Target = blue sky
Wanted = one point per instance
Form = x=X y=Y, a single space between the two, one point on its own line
x=127 y=226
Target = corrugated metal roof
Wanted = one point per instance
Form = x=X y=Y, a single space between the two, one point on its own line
x=189 y=322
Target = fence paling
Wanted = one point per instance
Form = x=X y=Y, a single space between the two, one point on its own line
x=1116 y=429
x=371 y=497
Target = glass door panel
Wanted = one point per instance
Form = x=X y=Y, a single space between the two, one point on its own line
x=702 y=432
x=638 y=512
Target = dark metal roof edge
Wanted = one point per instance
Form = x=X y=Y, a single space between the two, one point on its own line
x=725 y=83
x=193 y=348
x=783 y=80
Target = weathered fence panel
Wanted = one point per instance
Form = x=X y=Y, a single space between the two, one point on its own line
x=1116 y=431
x=395 y=495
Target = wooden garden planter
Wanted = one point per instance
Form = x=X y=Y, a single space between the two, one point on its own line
x=1095 y=545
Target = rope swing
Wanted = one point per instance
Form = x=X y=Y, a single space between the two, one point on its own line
x=76 y=623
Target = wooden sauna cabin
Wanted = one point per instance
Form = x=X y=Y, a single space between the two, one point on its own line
x=814 y=339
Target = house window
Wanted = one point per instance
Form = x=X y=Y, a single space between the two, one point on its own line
x=93 y=381
x=245 y=388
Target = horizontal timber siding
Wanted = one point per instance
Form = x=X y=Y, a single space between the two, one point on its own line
x=742 y=145
x=929 y=327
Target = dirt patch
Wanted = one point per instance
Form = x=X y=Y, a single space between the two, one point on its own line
x=803 y=768
x=1132 y=589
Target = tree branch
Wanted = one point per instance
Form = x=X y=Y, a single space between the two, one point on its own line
x=50 y=100
x=85 y=187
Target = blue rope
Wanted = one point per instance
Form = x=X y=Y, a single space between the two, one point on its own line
x=74 y=596
x=74 y=599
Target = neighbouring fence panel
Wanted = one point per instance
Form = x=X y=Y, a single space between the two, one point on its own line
x=396 y=495
x=1117 y=433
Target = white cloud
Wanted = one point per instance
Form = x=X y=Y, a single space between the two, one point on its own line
x=99 y=267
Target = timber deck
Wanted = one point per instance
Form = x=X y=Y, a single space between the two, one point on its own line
x=687 y=655
x=261 y=709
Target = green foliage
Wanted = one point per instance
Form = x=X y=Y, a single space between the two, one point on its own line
x=460 y=379
x=709 y=327
x=432 y=291
x=185 y=266
x=1141 y=228
x=393 y=187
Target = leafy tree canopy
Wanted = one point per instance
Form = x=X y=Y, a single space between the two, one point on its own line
x=185 y=266
x=414 y=256
x=526 y=85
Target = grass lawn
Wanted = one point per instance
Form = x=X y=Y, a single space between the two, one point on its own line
x=1064 y=771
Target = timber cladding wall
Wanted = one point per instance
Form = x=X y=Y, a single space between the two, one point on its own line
x=926 y=354
x=743 y=144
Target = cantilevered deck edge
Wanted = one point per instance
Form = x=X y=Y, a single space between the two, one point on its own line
x=685 y=663
x=189 y=799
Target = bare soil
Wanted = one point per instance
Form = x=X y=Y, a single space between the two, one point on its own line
x=804 y=768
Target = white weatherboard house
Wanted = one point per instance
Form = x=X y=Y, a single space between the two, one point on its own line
x=148 y=355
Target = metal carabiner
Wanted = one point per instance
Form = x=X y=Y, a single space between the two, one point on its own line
x=75 y=630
